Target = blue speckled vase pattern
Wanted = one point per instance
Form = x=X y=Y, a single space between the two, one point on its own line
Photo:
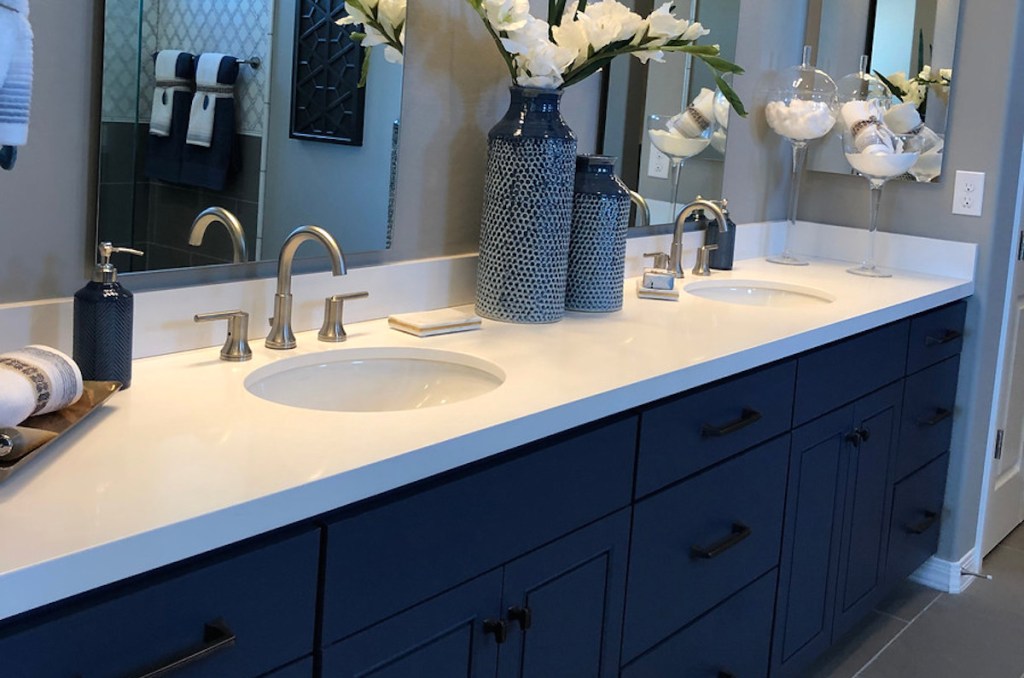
x=597 y=251
x=527 y=216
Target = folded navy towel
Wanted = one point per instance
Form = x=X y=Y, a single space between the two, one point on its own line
x=166 y=141
x=211 y=155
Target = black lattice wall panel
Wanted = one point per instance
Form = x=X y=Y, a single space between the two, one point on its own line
x=327 y=103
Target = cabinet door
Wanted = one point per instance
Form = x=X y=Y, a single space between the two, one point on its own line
x=564 y=605
x=444 y=636
x=867 y=506
x=810 y=544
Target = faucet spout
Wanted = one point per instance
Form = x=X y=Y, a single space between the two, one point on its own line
x=281 y=335
x=224 y=217
x=676 y=253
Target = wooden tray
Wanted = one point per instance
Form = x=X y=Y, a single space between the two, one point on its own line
x=94 y=394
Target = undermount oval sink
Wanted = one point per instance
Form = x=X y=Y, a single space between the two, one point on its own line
x=375 y=380
x=759 y=293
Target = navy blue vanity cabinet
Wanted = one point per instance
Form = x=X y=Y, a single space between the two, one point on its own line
x=554 y=612
x=733 y=639
x=916 y=516
x=244 y=614
x=698 y=542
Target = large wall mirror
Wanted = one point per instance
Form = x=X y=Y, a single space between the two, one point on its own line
x=904 y=40
x=635 y=91
x=280 y=130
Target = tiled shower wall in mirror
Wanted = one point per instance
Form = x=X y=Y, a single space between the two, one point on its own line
x=153 y=215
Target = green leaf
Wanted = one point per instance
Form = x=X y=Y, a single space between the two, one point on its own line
x=357 y=36
x=586 y=71
x=730 y=94
x=893 y=89
x=366 y=70
x=721 y=65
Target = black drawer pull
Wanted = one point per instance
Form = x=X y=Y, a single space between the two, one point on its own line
x=216 y=636
x=941 y=415
x=739 y=533
x=523 y=615
x=726 y=674
x=930 y=518
x=749 y=416
x=497 y=627
x=944 y=338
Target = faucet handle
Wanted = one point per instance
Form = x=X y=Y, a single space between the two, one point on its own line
x=661 y=259
x=703 y=265
x=236 y=346
x=334 y=306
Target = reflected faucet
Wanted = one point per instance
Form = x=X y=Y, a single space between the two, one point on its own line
x=643 y=210
x=676 y=253
x=219 y=215
x=281 y=336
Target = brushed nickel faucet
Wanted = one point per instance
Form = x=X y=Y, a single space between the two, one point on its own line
x=281 y=336
x=676 y=253
x=219 y=215
x=643 y=210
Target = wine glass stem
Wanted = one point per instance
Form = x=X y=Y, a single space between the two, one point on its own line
x=677 y=166
x=876 y=200
x=799 y=156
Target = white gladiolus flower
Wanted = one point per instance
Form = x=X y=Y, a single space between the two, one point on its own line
x=663 y=26
x=572 y=36
x=650 y=55
x=391 y=14
x=507 y=15
x=539 y=62
x=609 y=21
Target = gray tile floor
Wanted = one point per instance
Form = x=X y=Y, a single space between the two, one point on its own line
x=921 y=633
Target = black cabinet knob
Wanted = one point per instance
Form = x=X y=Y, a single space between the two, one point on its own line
x=853 y=437
x=523 y=615
x=497 y=627
x=864 y=434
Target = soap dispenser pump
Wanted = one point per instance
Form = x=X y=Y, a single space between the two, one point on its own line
x=104 y=312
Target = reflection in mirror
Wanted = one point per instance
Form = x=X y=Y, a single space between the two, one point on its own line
x=634 y=92
x=254 y=106
x=909 y=43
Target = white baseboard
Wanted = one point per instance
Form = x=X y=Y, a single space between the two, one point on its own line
x=945 y=575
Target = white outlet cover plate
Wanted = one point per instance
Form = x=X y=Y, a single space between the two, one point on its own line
x=658 y=164
x=969 y=193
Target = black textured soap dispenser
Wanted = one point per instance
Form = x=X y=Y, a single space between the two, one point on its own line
x=104 y=314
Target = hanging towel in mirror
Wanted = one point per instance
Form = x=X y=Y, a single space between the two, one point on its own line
x=15 y=76
x=211 y=155
x=173 y=75
x=169 y=123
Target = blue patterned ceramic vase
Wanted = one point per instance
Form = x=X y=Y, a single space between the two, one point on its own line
x=597 y=248
x=524 y=235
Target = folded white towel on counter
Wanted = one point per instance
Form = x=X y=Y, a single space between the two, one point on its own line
x=209 y=89
x=168 y=81
x=15 y=72
x=431 y=323
x=36 y=380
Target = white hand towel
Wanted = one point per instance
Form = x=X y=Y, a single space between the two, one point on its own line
x=36 y=380
x=167 y=83
x=204 y=105
x=15 y=72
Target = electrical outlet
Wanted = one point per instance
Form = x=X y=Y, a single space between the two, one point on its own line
x=969 y=193
x=657 y=164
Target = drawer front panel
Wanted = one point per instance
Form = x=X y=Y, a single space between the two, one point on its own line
x=683 y=436
x=838 y=374
x=734 y=639
x=301 y=669
x=928 y=403
x=916 y=517
x=936 y=335
x=397 y=554
x=265 y=598
x=699 y=542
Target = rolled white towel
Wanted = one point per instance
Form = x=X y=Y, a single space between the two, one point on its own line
x=36 y=380
x=722 y=110
x=15 y=72
x=697 y=117
x=903 y=118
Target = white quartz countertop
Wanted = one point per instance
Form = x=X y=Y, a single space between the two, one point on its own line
x=187 y=460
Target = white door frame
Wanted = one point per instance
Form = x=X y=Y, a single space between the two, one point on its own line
x=997 y=387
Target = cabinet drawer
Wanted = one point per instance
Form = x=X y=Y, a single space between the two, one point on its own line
x=842 y=372
x=936 y=335
x=698 y=542
x=300 y=669
x=685 y=435
x=266 y=598
x=916 y=516
x=927 y=425
x=395 y=554
x=734 y=639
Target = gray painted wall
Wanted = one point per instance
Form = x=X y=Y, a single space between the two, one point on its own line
x=455 y=93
